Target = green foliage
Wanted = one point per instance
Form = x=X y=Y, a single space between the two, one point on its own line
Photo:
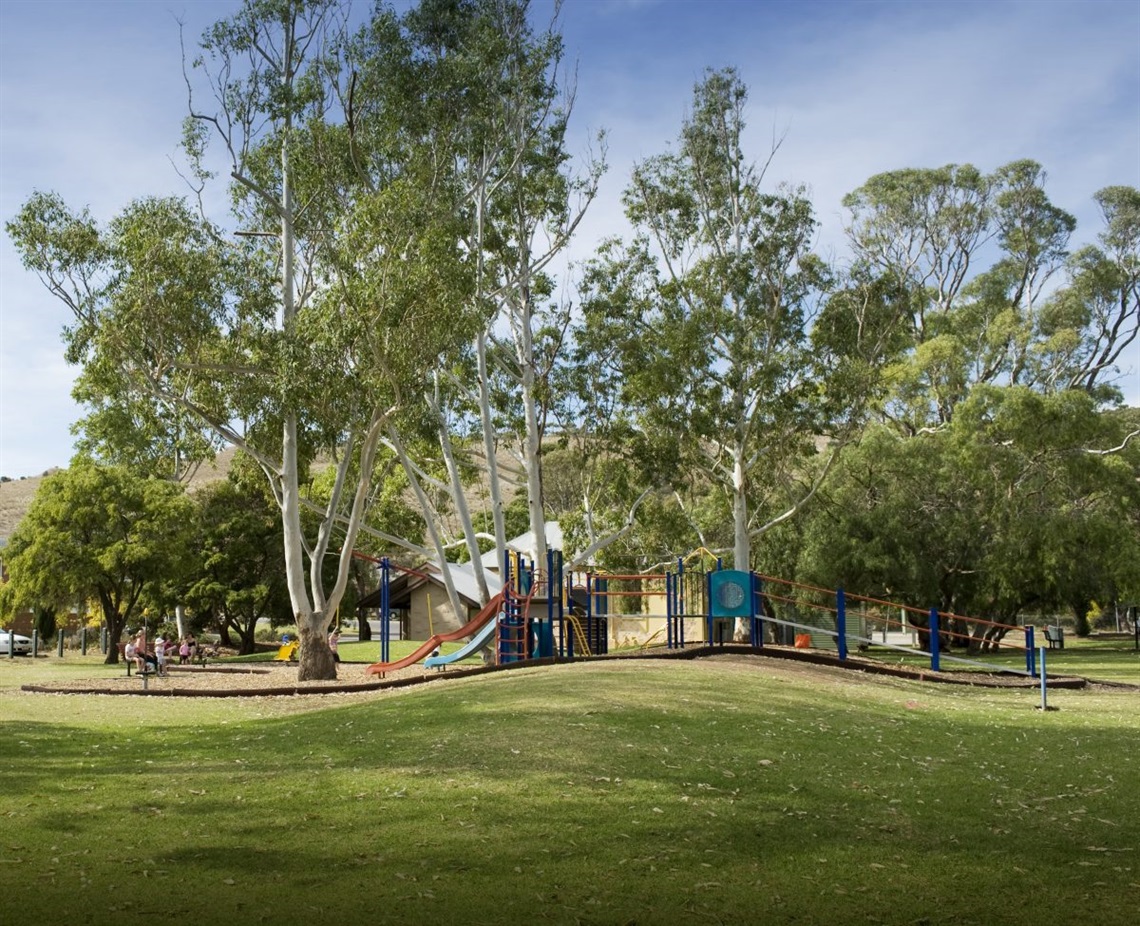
x=239 y=575
x=1005 y=509
x=103 y=533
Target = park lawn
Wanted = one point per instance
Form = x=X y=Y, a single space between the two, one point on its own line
x=716 y=790
x=1112 y=660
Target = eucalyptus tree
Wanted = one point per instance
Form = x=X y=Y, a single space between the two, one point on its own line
x=1035 y=315
x=708 y=314
x=1023 y=501
x=1094 y=318
x=527 y=202
x=491 y=409
x=343 y=280
x=102 y=533
x=239 y=574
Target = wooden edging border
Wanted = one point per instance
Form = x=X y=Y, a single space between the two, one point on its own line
x=697 y=652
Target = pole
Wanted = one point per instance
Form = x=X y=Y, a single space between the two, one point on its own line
x=1044 y=703
x=935 y=642
x=1030 y=652
x=841 y=624
x=385 y=629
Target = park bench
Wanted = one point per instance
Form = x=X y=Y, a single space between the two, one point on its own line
x=150 y=666
x=1055 y=636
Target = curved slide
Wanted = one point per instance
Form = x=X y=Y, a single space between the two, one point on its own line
x=480 y=622
x=475 y=644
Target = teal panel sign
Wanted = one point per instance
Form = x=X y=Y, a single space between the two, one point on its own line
x=730 y=593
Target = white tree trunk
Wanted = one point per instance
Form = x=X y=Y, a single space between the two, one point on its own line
x=429 y=522
x=532 y=446
x=460 y=498
x=491 y=448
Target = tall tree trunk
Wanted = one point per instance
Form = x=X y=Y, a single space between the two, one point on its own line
x=459 y=497
x=532 y=448
x=491 y=448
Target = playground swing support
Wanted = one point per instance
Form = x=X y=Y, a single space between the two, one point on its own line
x=719 y=595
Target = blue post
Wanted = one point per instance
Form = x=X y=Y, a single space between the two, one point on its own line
x=934 y=641
x=841 y=623
x=588 y=629
x=669 y=610
x=708 y=615
x=1044 y=701
x=1030 y=652
x=680 y=590
x=385 y=631
x=757 y=611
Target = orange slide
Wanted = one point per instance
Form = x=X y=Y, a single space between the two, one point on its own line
x=490 y=609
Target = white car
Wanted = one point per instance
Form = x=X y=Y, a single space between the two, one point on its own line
x=14 y=642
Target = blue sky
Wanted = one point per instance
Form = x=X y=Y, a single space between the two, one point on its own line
x=92 y=99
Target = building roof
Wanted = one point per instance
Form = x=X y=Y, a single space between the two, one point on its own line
x=462 y=574
x=524 y=543
x=404 y=583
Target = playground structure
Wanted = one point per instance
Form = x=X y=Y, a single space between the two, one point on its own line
x=565 y=615
x=288 y=651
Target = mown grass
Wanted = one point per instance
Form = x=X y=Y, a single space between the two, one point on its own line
x=711 y=791
x=1113 y=660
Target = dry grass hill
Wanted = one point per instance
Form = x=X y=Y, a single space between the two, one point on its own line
x=15 y=497
x=17 y=494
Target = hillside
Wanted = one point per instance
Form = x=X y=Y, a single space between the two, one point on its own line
x=15 y=497
x=17 y=494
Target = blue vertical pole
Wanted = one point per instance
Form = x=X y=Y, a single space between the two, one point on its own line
x=546 y=642
x=760 y=612
x=935 y=642
x=669 y=610
x=1044 y=699
x=841 y=623
x=752 y=609
x=588 y=630
x=1030 y=652
x=385 y=605
x=708 y=610
x=680 y=590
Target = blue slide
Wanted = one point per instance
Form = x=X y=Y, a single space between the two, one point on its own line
x=476 y=643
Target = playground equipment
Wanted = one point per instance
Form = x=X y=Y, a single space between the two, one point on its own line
x=560 y=614
x=287 y=652
x=473 y=627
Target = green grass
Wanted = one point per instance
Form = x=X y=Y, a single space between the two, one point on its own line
x=634 y=792
x=1102 y=660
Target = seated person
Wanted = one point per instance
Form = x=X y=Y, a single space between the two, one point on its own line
x=143 y=657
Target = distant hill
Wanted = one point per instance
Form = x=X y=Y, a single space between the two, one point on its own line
x=15 y=497
x=16 y=494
